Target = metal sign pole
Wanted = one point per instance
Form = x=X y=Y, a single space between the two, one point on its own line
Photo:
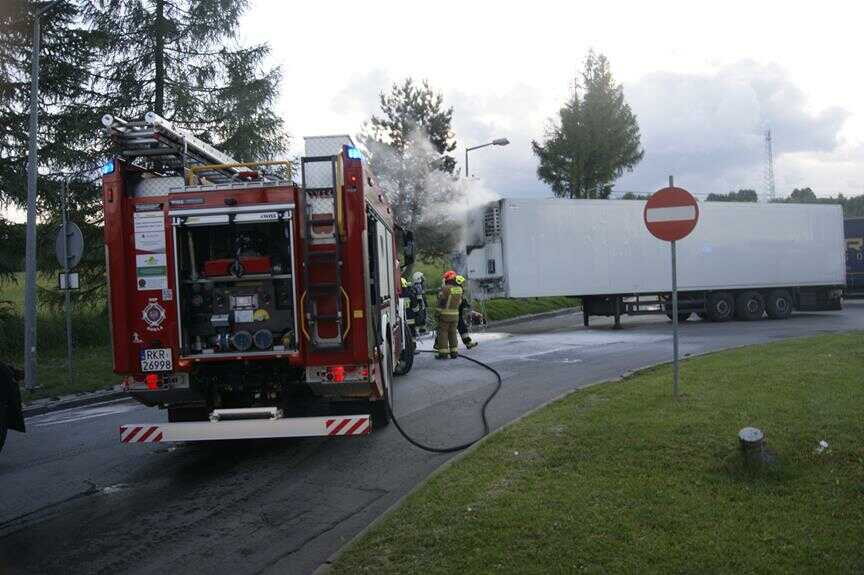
x=67 y=304
x=674 y=323
x=30 y=249
x=674 y=314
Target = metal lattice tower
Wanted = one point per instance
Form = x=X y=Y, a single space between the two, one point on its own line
x=769 y=167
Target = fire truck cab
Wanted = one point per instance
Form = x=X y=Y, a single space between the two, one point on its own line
x=246 y=303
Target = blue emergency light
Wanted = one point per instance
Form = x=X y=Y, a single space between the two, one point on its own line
x=108 y=168
x=354 y=153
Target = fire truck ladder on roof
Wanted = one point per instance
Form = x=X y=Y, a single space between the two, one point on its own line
x=322 y=256
x=171 y=149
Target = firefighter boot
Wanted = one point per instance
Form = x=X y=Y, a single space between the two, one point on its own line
x=469 y=343
x=441 y=345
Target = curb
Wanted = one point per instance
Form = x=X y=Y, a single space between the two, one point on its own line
x=42 y=406
x=326 y=567
x=513 y=320
x=534 y=316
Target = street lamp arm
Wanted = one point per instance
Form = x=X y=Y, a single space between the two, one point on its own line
x=495 y=142
x=478 y=147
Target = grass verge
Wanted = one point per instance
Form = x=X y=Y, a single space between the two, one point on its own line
x=92 y=353
x=498 y=309
x=623 y=478
x=93 y=370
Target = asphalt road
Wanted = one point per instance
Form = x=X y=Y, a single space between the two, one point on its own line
x=74 y=500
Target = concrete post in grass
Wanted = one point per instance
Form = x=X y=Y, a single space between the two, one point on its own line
x=752 y=442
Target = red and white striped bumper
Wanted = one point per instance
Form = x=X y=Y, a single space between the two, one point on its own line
x=246 y=429
x=140 y=434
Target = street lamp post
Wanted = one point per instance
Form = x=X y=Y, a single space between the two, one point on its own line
x=496 y=142
x=30 y=250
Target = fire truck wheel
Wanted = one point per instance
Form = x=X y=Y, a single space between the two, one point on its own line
x=378 y=408
x=378 y=412
x=3 y=427
x=406 y=358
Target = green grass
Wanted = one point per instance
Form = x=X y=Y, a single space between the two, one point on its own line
x=92 y=354
x=495 y=309
x=506 y=308
x=621 y=477
x=93 y=371
x=13 y=291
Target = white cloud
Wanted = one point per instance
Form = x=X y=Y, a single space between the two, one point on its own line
x=708 y=129
x=702 y=81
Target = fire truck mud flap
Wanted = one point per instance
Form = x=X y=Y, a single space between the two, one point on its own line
x=341 y=425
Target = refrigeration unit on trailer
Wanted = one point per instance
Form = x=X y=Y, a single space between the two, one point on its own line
x=743 y=259
x=246 y=304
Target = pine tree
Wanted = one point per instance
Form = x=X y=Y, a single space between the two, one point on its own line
x=68 y=130
x=179 y=58
x=409 y=108
x=67 y=126
x=408 y=150
x=124 y=57
x=595 y=139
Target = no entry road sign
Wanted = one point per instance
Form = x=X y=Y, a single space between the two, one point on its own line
x=671 y=214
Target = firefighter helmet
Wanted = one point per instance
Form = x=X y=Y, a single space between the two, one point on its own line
x=418 y=278
x=460 y=280
x=449 y=275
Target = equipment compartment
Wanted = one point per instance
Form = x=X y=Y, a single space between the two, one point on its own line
x=235 y=281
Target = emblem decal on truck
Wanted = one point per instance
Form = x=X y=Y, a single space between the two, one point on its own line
x=154 y=315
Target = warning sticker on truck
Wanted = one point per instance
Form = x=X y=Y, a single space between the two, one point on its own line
x=152 y=271
x=150 y=232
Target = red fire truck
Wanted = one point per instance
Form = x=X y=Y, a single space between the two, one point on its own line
x=245 y=303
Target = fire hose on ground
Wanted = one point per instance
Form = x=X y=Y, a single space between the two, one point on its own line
x=454 y=448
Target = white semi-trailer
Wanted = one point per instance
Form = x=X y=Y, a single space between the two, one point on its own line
x=743 y=259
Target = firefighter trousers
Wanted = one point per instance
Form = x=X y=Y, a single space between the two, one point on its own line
x=447 y=340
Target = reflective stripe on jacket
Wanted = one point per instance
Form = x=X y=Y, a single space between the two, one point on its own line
x=449 y=299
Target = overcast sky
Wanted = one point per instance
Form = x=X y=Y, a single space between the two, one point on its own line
x=703 y=81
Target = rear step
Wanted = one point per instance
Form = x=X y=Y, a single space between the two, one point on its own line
x=257 y=428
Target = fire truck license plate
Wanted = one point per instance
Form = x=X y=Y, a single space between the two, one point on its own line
x=156 y=359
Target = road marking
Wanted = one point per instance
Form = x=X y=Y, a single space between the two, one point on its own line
x=75 y=414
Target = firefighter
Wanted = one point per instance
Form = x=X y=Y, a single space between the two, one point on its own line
x=418 y=302
x=449 y=299
x=464 y=310
x=412 y=306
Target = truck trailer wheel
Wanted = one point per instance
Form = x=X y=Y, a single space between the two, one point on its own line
x=779 y=304
x=720 y=307
x=750 y=306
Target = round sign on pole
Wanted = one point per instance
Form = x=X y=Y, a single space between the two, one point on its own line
x=671 y=214
x=74 y=248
